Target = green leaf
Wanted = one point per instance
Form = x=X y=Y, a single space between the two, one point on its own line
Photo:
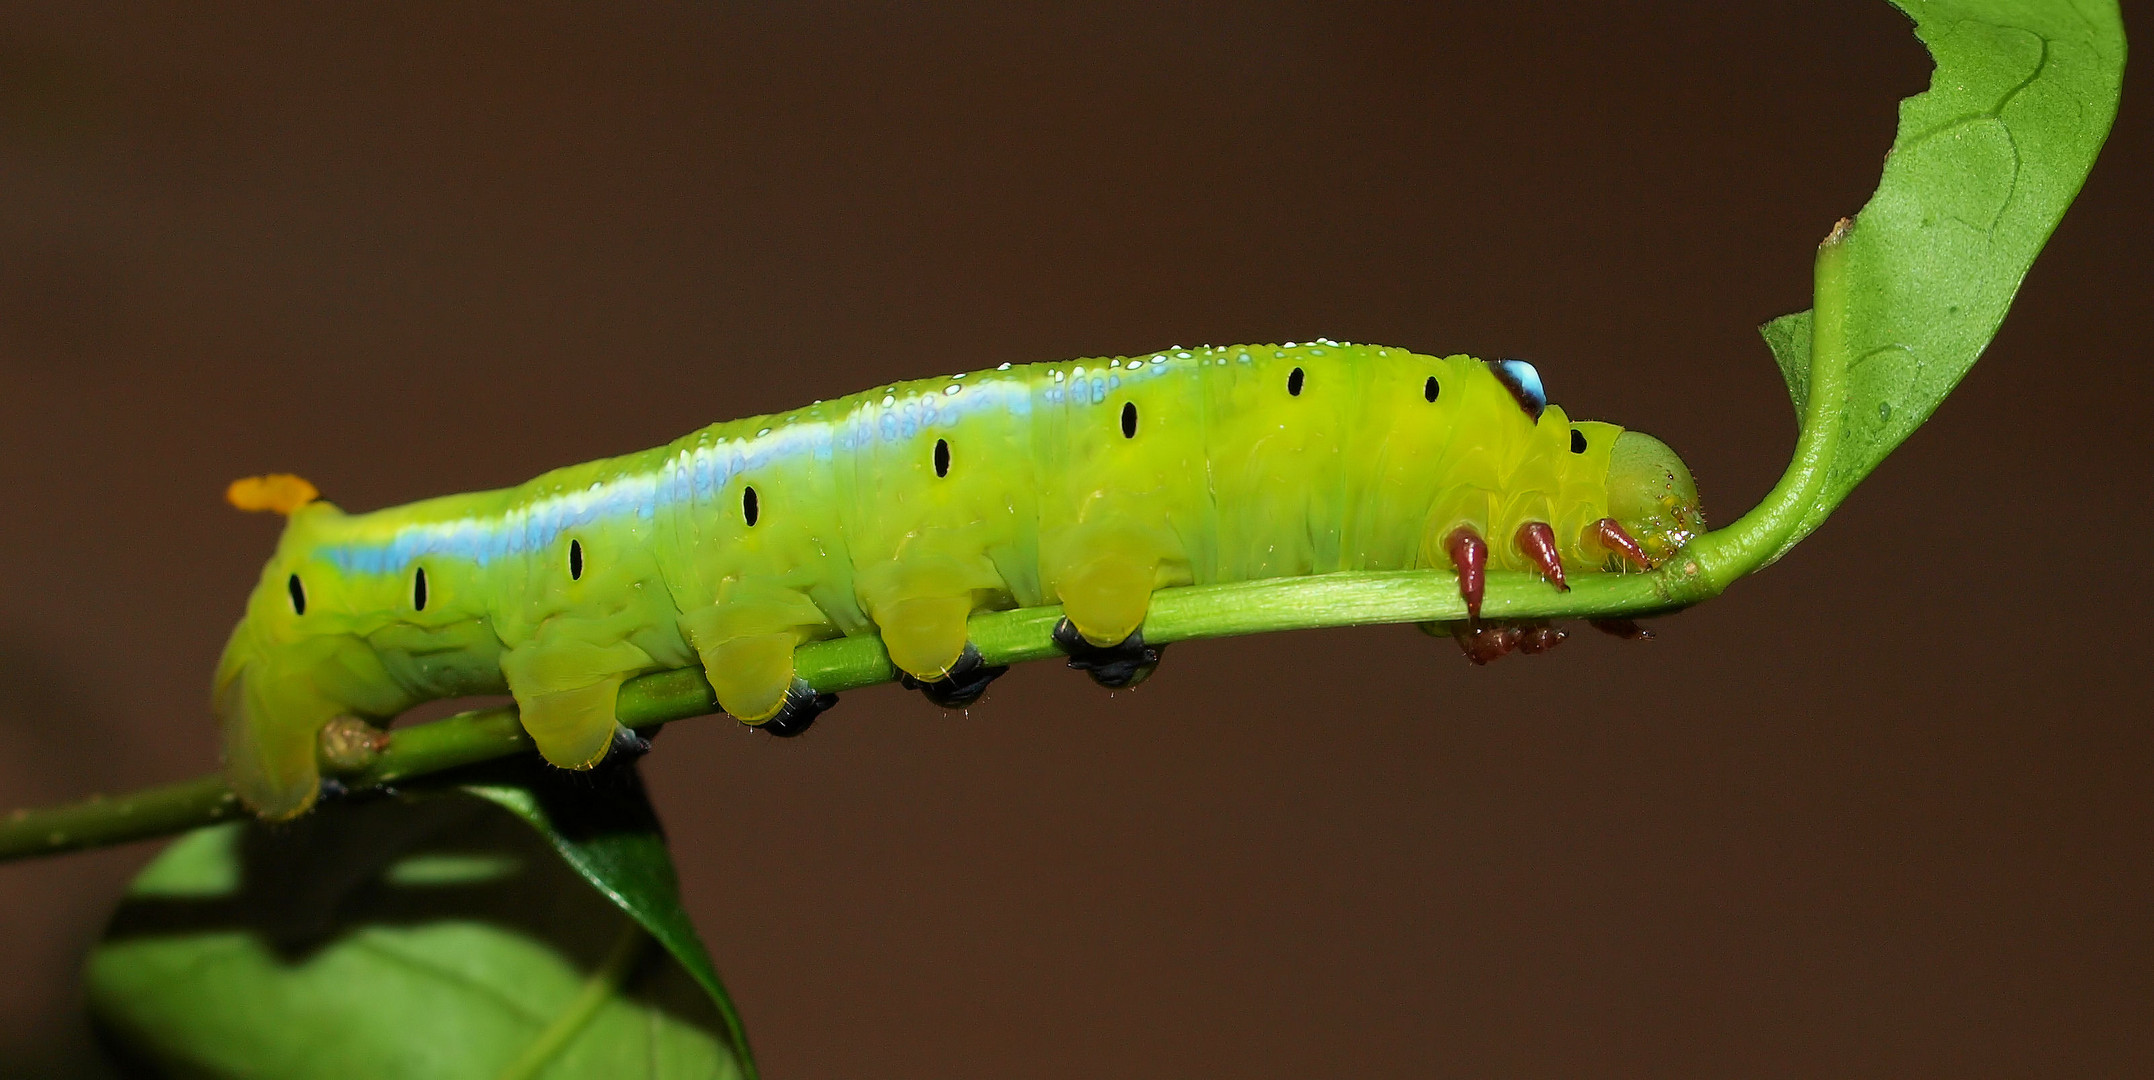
x=1981 y=171
x=602 y=825
x=422 y=936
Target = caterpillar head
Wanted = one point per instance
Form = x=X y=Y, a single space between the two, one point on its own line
x=1651 y=494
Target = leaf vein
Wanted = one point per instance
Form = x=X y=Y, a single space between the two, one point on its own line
x=383 y=950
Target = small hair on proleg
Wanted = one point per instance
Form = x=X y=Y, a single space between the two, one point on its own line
x=1117 y=667
x=802 y=705
x=967 y=680
x=627 y=745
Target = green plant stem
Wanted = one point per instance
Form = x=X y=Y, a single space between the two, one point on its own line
x=1758 y=539
x=1003 y=637
x=1710 y=564
x=99 y=821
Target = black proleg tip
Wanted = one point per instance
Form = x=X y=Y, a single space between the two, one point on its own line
x=1116 y=667
x=802 y=706
x=967 y=680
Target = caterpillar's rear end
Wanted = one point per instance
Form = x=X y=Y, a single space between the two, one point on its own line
x=324 y=649
x=280 y=682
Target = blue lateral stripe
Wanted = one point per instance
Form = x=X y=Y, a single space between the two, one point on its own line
x=692 y=475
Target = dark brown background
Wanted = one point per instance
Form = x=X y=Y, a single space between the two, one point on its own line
x=1883 y=811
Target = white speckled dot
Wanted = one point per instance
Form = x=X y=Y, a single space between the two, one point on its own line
x=888 y=401
x=1002 y=367
x=952 y=389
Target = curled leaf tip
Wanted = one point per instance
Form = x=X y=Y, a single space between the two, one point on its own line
x=280 y=492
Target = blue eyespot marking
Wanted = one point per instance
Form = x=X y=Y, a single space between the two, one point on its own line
x=1523 y=382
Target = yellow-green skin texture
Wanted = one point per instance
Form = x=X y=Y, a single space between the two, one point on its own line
x=1048 y=497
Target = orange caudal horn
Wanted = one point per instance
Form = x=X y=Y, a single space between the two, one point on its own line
x=1537 y=542
x=281 y=492
x=1610 y=535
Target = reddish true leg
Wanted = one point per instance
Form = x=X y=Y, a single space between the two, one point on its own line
x=1622 y=628
x=1538 y=543
x=1611 y=536
x=1539 y=638
x=1482 y=644
x=1485 y=642
x=1470 y=554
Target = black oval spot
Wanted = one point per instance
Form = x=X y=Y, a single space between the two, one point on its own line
x=299 y=594
x=575 y=560
x=1429 y=389
x=418 y=589
x=750 y=507
x=942 y=457
x=1578 y=441
x=1129 y=419
x=1293 y=382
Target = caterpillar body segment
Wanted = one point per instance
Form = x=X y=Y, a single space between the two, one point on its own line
x=902 y=511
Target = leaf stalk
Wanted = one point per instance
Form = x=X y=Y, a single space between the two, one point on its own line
x=1759 y=538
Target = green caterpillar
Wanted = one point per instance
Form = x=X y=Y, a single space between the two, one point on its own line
x=904 y=510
